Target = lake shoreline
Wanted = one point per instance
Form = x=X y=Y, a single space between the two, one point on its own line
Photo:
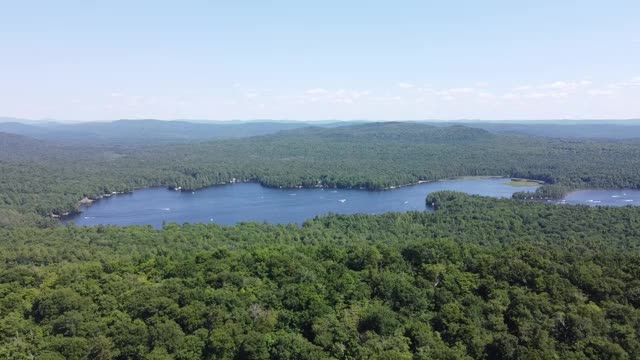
x=255 y=202
x=89 y=201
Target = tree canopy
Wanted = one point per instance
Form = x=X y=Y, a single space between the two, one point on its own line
x=478 y=278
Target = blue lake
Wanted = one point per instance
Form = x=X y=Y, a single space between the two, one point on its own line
x=230 y=204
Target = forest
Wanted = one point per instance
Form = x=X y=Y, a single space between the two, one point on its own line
x=479 y=278
x=41 y=178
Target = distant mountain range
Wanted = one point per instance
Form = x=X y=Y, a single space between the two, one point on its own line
x=399 y=132
x=143 y=131
x=149 y=131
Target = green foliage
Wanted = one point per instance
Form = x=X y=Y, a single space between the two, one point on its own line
x=479 y=278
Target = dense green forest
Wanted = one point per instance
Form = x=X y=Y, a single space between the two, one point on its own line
x=479 y=278
x=41 y=178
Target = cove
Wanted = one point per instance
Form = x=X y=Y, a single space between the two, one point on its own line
x=244 y=202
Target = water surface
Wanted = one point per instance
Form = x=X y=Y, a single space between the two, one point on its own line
x=603 y=197
x=230 y=204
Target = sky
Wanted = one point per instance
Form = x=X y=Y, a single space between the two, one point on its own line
x=320 y=60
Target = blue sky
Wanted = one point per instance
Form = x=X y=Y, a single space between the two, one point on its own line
x=388 y=60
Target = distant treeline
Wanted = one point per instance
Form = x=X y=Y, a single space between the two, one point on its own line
x=605 y=129
x=41 y=178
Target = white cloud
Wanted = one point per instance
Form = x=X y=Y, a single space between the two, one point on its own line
x=405 y=85
x=387 y=99
x=555 y=90
x=544 y=100
x=603 y=92
x=425 y=90
x=632 y=82
x=347 y=96
x=316 y=91
x=486 y=95
x=358 y=94
x=549 y=94
x=558 y=85
x=462 y=90
x=318 y=95
x=567 y=85
x=452 y=92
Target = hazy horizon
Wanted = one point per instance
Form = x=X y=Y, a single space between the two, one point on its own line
x=7 y=119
